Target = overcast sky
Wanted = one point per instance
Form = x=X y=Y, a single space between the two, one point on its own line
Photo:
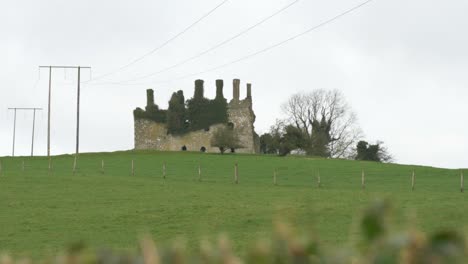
x=402 y=65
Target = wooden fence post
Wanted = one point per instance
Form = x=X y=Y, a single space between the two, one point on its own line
x=50 y=165
x=318 y=179
x=22 y=166
x=462 y=182
x=74 y=165
x=133 y=167
x=363 y=180
x=274 y=177
x=412 y=181
x=199 y=172
x=164 y=170
x=236 y=173
x=102 y=166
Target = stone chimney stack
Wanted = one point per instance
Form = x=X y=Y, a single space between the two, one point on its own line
x=219 y=89
x=249 y=91
x=199 y=91
x=149 y=97
x=236 y=90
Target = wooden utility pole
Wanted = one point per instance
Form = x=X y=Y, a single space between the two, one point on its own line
x=33 y=130
x=77 y=111
x=77 y=119
x=48 y=113
x=15 y=109
x=14 y=133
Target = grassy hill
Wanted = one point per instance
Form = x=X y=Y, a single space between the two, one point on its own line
x=42 y=212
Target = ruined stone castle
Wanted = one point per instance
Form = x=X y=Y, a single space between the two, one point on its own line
x=153 y=131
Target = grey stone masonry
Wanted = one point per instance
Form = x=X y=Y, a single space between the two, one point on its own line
x=153 y=135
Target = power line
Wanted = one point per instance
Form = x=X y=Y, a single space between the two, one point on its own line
x=160 y=46
x=15 y=109
x=276 y=45
x=222 y=43
x=77 y=109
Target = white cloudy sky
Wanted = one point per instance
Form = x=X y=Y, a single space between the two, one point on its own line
x=401 y=64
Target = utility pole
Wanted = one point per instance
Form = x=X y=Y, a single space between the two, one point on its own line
x=77 y=109
x=14 y=133
x=33 y=130
x=15 y=109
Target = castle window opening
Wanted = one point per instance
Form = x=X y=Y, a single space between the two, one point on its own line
x=233 y=150
x=184 y=148
x=203 y=149
x=231 y=125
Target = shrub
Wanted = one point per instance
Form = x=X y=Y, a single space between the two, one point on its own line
x=286 y=246
x=225 y=138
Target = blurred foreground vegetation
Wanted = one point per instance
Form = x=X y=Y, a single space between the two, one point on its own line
x=377 y=244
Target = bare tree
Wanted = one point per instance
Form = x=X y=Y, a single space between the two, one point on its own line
x=325 y=119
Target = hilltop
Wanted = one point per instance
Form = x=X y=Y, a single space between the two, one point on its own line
x=112 y=208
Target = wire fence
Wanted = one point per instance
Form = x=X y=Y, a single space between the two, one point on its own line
x=249 y=170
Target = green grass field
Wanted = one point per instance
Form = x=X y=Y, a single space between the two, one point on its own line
x=42 y=213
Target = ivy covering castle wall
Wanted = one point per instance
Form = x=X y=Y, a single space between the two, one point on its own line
x=190 y=124
x=182 y=116
x=151 y=111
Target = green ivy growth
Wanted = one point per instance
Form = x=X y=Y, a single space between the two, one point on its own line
x=183 y=116
x=177 y=114
x=156 y=115
x=151 y=111
x=202 y=112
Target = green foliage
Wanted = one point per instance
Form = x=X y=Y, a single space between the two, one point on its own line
x=176 y=114
x=373 y=223
x=293 y=139
x=267 y=144
x=288 y=246
x=181 y=117
x=270 y=143
x=218 y=110
x=154 y=114
x=151 y=111
x=224 y=138
x=198 y=113
x=366 y=151
x=320 y=139
x=283 y=138
x=203 y=113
